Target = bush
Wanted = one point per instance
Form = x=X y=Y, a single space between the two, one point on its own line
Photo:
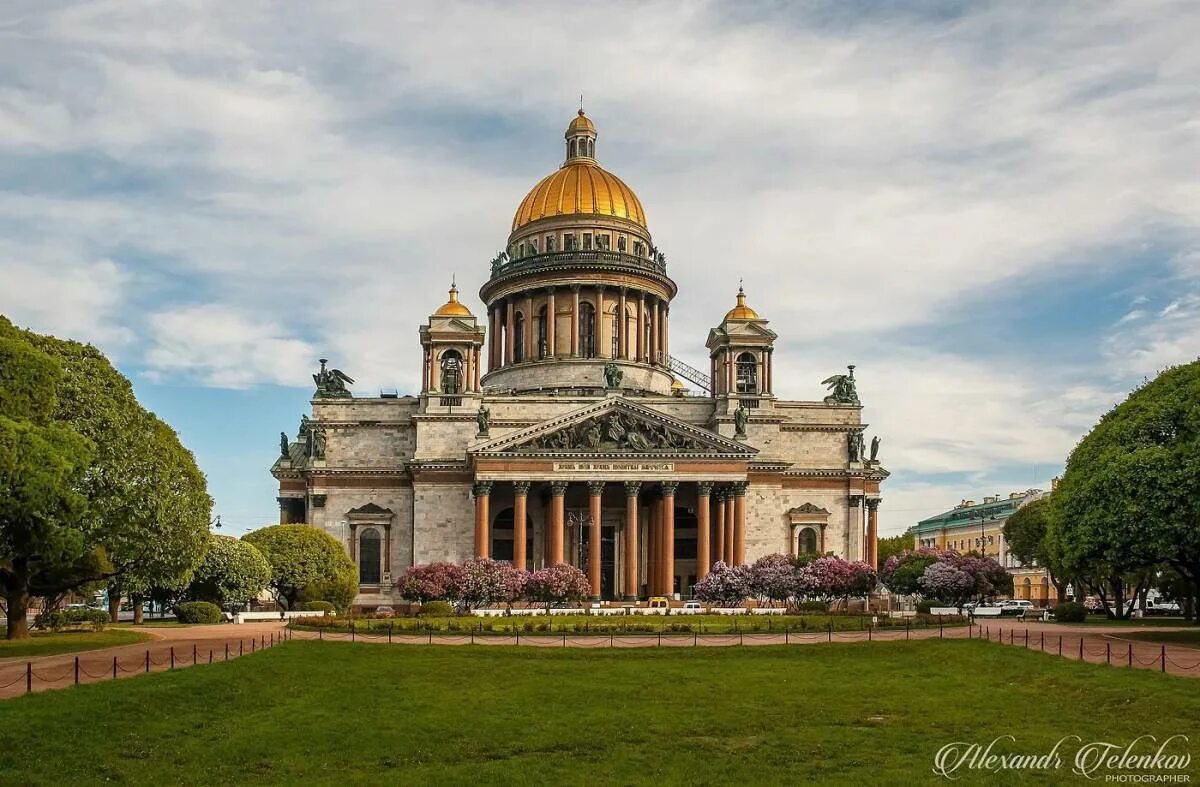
x=203 y=612
x=58 y=619
x=1070 y=612
x=318 y=606
x=437 y=609
x=811 y=606
x=923 y=607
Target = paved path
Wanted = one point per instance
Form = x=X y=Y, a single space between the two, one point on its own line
x=1100 y=645
x=19 y=673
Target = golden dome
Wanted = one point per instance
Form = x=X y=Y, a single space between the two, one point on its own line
x=581 y=123
x=452 y=308
x=741 y=311
x=580 y=187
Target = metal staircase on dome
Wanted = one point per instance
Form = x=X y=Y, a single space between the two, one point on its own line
x=690 y=372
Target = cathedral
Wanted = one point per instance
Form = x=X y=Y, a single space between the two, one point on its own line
x=558 y=427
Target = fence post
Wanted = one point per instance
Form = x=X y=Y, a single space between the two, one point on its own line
x=1060 y=644
x=941 y=631
x=1042 y=646
x=987 y=632
x=830 y=625
x=869 y=627
x=241 y=647
x=786 y=641
x=390 y=633
x=1164 y=659
x=352 y=631
x=1131 y=654
x=210 y=655
x=1107 y=653
x=193 y=654
x=696 y=638
x=76 y=670
x=660 y=638
x=28 y=677
x=1027 y=636
x=253 y=644
x=172 y=657
x=740 y=640
x=227 y=651
x=1081 y=647
x=147 y=661
x=906 y=629
x=114 y=667
x=262 y=641
x=431 y=635
x=472 y=633
x=320 y=634
x=564 y=640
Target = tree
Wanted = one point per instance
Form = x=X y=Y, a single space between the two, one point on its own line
x=773 y=578
x=902 y=573
x=726 y=586
x=833 y=578
x=1130 y=497
x=430 y=582
x=557 y=584
x=232 y=573
x=41 y=466
x=894 y=545
x=300 y=556
x=484 y=581
x=1027 y=533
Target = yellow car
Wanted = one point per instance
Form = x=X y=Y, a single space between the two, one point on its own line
x=659 y=602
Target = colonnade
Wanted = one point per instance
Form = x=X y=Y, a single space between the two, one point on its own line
x=641 y=336
x=720 y=529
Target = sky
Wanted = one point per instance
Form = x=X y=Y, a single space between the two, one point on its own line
x=992 y=209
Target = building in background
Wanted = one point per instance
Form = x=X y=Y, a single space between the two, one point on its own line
x=556 y=429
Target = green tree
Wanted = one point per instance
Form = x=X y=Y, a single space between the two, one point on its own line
x=233 y=572
x=1027 y=533
x=894 y=545
x=41 y=466
x=1130 y=497
x=301 y=556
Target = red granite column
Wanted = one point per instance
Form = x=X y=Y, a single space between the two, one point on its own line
x=652 y=569
x=668 y=526
x=595 y=492
x=483 y=490
x=719 y=526
x=739 y=523
x=703 y=560
x=558 y=490
x=520 y=505
x=729 y=553
x=873 y=532
x=632 y=488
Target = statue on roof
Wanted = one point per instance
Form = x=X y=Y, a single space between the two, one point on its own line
x=854 y=443
x=483 y=419
x=875 y=448
x=331 y=383
x=316 y=443
x=283 y=445
x=303 y=431
x=740 y=418
x=612 y=376
x=842 y=388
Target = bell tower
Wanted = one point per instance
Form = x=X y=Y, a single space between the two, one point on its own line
x=740 y=352
x=452 y=342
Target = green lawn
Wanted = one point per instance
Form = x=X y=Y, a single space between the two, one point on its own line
x=46 y=644
x=1190 y=637
x=343 y=713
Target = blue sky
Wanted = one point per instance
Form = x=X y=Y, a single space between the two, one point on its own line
x=991 y=209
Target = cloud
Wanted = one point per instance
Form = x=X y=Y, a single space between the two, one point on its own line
x=216 y=346
x=65 y=296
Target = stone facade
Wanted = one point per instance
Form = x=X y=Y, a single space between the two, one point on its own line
x=734 y=473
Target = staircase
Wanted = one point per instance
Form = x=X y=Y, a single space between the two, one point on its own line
x=691 y=373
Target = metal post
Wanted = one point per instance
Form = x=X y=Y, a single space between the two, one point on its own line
x=114 y=667
x=1060 y=644
x=1131 y=654
x=210 y=655
x=1081 y=647
x=1042 y=646
x=941 y=631
x=76 y=670
x=172 y=657
x=1164 y=659
x=906 y=629
x=193 y=654
x=227 y=651
x=28 y=677
x=869 y=633
x=830 y=625
x=241 y=647
x=147 y=661
x=253 y=644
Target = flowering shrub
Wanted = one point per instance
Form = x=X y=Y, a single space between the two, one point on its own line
x=726 y=586
x=945 y=575
x=832 y=578
x=431 y=582
x=556 y=584
x=484 y=581
x=902 y=573
x=946 y=582
x=773 y=578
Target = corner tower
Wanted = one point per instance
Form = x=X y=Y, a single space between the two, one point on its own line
x=452 y=345
x=579 y=284
x=740 y=352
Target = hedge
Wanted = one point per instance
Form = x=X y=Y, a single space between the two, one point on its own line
x=1070 y=612
x=203 y=612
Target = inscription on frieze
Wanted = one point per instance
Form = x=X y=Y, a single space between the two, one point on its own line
x=614 y=467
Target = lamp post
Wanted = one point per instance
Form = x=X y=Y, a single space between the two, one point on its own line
x=982 y=516
x=577 y=521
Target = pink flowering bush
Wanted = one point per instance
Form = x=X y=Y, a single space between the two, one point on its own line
x=945 y=575
x=946 y=582
x=485 y=581
x=431 y=582
x=773 y=578
x=831 y=578
x=556 y=584
x=725 y=586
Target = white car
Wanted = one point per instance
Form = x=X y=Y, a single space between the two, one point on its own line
x=1016 y=606
x=692 y=605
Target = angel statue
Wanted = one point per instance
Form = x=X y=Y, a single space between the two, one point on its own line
x=842 y=388
x=331 y=383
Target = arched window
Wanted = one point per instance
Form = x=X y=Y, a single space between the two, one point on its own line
x=587 y=330
x=451 y=372
x=519 y=338
x=747 y=373
x=541 y=331
x=571 y=149
x=369 y=555
x=807 y=541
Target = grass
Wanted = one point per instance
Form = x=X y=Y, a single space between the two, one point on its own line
x=327 y=713
x=47 y=644
x=547 y=624
x=1189 y=638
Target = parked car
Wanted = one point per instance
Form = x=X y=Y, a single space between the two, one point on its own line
x=1016 y=606
x=693 y=604
x=659 y=602
x=1162 y=608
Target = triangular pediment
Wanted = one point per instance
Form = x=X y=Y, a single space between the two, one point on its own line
x=615 y=426
x=370 y=509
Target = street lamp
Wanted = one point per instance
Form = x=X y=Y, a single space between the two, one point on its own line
x=577 y=521
x=982 y=516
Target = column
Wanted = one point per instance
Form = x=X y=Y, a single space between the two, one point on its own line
x=822 y=548
x=520 y=507
x=713 y=383
x=739 y=523
x=551 y=321
x=574 y=320
x=530 y=339
x=482 y=490
x=622 y=327
x=508 y=331
x=435 y=371
x=703 y=560
x=632 y=488
x=425 y=372
x=719 y=526
x=558 y=490
x=595 y=492
x=791 y=540
x=641 y=327
x=730 y=378
x=475 y=351
x=666 y=334
x=668 y=519
x=654 y=331
x=603 y=342
x=387 y=548
x=494 y=347
x=767 y=388
x=873 y=532
x=762 y=372
x=729 y=553
x=468 y=372
x=652 y=575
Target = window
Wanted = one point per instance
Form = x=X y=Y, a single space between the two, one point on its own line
x=747 y=373
x=639 y=248
x=807 y=541
x=569 y=242
x=620 y=243
x=587 y=241
x=549 y=244
x=451 y=372
x=533 y=245
x=369 y=554
x=541 y=331
x=587 y=329
x=571 y=149
x=519 y=339
x=602 y=242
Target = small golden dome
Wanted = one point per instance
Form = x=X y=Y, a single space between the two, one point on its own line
x=452 y=308
x=677 y=388
x=741 y=311
x=581 y=122
x=580 y=187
